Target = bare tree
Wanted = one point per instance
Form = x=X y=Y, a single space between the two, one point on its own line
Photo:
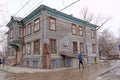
x=90 y=17
x=98 y=20
x=86 y=15
x=3 y=41
x=106 y=43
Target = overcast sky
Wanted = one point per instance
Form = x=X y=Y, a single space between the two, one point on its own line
x=107 y=8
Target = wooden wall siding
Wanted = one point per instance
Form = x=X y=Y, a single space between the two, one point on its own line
x=62 y=34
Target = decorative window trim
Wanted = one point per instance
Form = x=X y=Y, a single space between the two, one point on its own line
x=35 y=23
x=29 y=26
x=75 y=47
x=74 y=27
x=92 y=33
x=11 y=33
x=55 y=46
x=24 y=31
x=29 y=48
x=51 y=28
x=23 y=49
x=80 y=33
x=38 y=40
x=81 y=46
x=20 y=32
x=94 y=48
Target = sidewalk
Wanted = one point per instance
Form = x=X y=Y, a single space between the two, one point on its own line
x=14 y=69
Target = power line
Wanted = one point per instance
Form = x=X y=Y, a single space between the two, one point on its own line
x=69 y=5
x=63 y=3
x=61 y=9
x=25 y=1
x=22 y=8
x=52 y=14
x=35 y=6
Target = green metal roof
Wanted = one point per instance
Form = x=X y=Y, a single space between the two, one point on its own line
x=38 y=11
x=14 y=20
x=55 y=13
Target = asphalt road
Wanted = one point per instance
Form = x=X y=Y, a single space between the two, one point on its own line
x=94 y=72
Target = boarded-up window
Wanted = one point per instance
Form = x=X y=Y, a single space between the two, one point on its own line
x=37 y=47
x=80 y=29
x=53 y=46
x=37 y=24
x=81 y=47
x=74 y=29
x=93 y=48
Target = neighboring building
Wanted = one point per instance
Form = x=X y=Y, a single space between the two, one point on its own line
x=47 y=38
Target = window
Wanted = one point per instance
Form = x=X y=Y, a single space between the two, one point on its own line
x=20 y=32
x=80 y=29
x=11 y=33
x=37 y=24
x=26 y=48
x=52 y=24
x=74 y=29
x=81 y=47
x=24 y=31
x=75 y=47
x=37 y=47
x=29 y=28
x=93 y=48
x=92 y=34
x=23 y=49
x=10 y=52
x=29 y=48
x=53 y=46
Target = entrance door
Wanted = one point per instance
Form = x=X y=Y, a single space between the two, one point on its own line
x=18 y=56
x=35 y=63
x=68 y=62
x=75 y=48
